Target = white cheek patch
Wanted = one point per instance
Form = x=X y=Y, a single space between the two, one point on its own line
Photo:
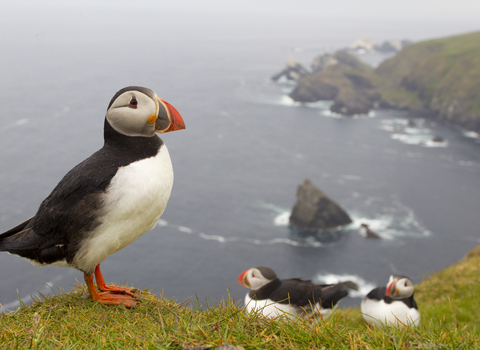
x=131 y=121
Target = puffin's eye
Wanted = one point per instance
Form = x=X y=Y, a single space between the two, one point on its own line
x=133 y=103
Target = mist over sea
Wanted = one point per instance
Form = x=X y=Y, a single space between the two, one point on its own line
x=237 y=166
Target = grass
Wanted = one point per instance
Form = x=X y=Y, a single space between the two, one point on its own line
x=441 y=76
x=447 y=300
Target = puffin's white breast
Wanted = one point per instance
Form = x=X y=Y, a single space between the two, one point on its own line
x=134 y=201
x=271 y=309
x=378 y=312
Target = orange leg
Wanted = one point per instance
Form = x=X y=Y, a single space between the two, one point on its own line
x=113 y=289
x=106 y=297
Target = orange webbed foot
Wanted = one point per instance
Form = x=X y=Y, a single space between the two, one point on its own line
x=123 y=295
x=113 y=289
x=108 y=298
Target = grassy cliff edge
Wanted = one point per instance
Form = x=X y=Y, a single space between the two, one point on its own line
x=439 y=77
x=448 y=301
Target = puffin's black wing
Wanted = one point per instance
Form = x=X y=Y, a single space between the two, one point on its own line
x=377 y=293
x=14 y=230
x=332 y=294
x=297 y=292
x=72 y=208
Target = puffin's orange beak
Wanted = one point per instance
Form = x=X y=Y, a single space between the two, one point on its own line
x=243 y=279
x=168 y=119
x=390 y=289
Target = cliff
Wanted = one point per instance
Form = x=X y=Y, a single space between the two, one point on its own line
x=438 y=77
x=339 y=77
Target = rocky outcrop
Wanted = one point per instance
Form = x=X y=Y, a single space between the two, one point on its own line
x=367 y=44
x=369 y=233
x=340 y=77
x=314 y=210
x=323 y=61
x=438 y=78
x=292 y=71
x=363 y=44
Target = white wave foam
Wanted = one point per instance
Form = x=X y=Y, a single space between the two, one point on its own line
x=185 y=229
x=329 y=113
x=399 y=221
x=471 y=134
x=412 y=132
x=282 y=219
x=364 y=286
x=308 y=242
x=286 y=100
x=162 y=223
x=419 y=139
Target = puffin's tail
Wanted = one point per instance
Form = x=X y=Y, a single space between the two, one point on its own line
x=333 y=293
x=5 y=242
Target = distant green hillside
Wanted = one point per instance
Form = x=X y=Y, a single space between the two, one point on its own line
x=439 y=77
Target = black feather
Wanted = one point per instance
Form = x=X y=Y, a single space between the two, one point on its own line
x=74 y=208
x=301 y=293
x=379 y=294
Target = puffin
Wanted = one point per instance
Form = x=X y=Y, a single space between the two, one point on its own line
x=290 y=297
x=392 y=305
x=108 y=200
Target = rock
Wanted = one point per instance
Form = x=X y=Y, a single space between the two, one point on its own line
x=389 y=46
x=311 y=91
x=363 y=44
x=352 y=101
x=347 y=82
x=315 y=211
x=438 y=139
x=323 y=61
x=368 y=232
x=292 y=71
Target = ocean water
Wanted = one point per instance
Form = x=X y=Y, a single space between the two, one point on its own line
x=237 y=166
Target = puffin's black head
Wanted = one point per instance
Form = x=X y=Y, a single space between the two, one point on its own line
x=137 y=111
x=256 y=277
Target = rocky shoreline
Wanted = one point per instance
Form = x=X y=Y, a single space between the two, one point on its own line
x=434 y=78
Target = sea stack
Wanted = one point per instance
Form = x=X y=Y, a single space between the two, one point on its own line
x=315 y=211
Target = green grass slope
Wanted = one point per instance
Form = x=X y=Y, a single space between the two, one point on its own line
x=448 y=301
x=439 y=77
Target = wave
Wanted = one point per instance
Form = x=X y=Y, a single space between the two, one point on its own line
x=308 y=242
x=398 y=221
x=471 y=134
x=329 y=113
x=286 y=100
x=412 y=132
x=364 y=287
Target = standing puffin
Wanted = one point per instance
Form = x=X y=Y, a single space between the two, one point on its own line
x=391 y=305
x=108 y=200
x=291 y=297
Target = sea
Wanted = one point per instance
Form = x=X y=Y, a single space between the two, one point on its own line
x=246 y=148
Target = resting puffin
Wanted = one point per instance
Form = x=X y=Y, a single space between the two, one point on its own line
x=291 y=297
x=391 y=305
x=108 y=200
